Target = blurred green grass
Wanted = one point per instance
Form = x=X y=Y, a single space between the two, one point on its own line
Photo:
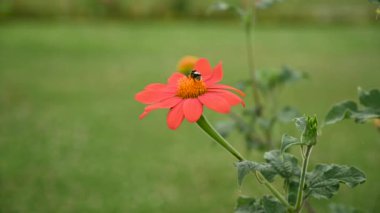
x=70 y=139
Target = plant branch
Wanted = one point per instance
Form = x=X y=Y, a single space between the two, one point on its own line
x=248 y=22
x=205 y=125
x=305 y=163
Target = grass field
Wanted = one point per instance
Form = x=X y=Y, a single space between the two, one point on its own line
x=70 y=139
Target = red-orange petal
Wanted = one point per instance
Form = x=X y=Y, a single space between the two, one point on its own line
x=175 y=116
x=152 y=96
x=168 y=103
x=203 y=66
x=173 y=79
x=192 y=109
x=216 y=76
x=155 y=86
x=225 y=87
x=215 y=102
x=230 y=97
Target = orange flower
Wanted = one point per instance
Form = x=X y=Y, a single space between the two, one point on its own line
x=185 y=96
x=186 y=64
x=376 y=122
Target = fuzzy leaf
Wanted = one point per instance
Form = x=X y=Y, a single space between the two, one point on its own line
x=288 y=141
x=300 y=123
x=341 y=111
x=248 y=205
x=286 y=165
x=292 y=191
x=267 y=204
x=223 y=6
x=272 y=205
x=375 y=1
x=245 y=167
x=370 y=99
x=287 y=114
x=324 y=181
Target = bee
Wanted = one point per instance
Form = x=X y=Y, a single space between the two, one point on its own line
x=195 y=75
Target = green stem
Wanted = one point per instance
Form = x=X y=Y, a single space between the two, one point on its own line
x=209 y=129
x=274 y=191
x=249 y=19
x=205 y=125
x=305 y=163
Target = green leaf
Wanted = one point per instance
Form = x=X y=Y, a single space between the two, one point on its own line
x=288 y=75
x=370 y=99
x=288 y=141
x=340 y=208
x=248 y=205
x=340 y=112
x=267 y=204
x=245 y=167
x=270 y=79
x=300 y=123
x=324 y=181
x=286 y=165
x=287 y=114
x=272 y=205
x=264 y=4
x=349 y=109
x=292 y=191
x=266 y=124
x=223 y=6
x=364 y=115
x=375 y=1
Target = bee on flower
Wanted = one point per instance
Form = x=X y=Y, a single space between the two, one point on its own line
x=185 y=95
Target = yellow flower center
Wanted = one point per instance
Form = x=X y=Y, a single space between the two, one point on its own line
x=189 y=87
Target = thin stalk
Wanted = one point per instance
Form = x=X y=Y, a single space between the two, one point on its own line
x=209 y=129
x=305 y=163
x=274 y=191
x=249 y=21
x=205 y=125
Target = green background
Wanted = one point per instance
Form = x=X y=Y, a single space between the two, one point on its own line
x=71 y=141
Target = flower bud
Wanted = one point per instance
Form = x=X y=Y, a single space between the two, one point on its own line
x=186 y=64
x=310 y=133
x=376 y=123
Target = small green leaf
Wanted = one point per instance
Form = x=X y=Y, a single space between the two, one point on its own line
x=370 y=99
x=324 y=181
x=292 y=191
x=272 y=205
x=287 y=114
x=248 y=205
x=288 y=141
x=245 y=167
x=375 y=1
x=223 y=6
x=264 y=4
x=267 y=204
x=286 y=165
x=300 y=123
x=340 y=112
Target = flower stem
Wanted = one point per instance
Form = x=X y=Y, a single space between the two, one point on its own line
x=205 y=125
x=209 y=129
x=249 y=21
x=305 y=163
